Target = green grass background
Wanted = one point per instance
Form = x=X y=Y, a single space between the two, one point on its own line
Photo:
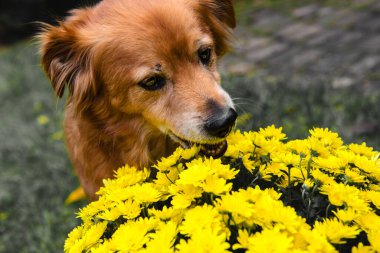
x=36 y=175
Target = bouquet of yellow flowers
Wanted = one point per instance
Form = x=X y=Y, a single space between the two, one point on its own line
x=264 y=195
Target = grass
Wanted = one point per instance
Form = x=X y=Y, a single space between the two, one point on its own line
x=298 y=108
x=36 y=175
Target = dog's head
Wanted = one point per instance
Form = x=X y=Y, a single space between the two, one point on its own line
x=152 y=58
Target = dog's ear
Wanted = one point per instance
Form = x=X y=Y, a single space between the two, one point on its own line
x=223 y=10
x=219 y=16
x=66 y=58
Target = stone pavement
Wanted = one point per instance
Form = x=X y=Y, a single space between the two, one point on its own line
x=340 y=46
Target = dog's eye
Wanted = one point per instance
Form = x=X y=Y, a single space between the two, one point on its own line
x=153 y=83
x=204 y=55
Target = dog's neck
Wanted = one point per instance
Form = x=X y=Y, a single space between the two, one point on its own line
x=124 y=138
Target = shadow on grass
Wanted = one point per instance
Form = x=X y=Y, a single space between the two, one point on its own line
x=35 y=174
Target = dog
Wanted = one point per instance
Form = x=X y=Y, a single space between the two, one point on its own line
x=141 y=79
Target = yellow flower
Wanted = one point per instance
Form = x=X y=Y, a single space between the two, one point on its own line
x=131 y=174
x=322 y=177
x=368 y=166
x=362 y=249
x=167 y=162
x=317 y=148
x=248 y=163
x=373 y=196
x=314 y=241
x=93 y=234
x=104 y=247
x=129 y=209
x=43 y=120
x=183 y=195
x=361 y=149
x=336 y=231
x=255 y=220
x=195 y=173
x=145 y=193
x=340 y=194
x=74 y=236
x=243 y=240
x=373 y=238
x=163 y=239
x=216 y=185
x=271 y=132
x=368 y=222
x=308 y=183
x=111 y=214
x=165 y=179
x=288 y=159
x=131 y=236
x=270 y=241
x=204 y=241
x=78 y=246
x=331 y=163
x=190 y=152
x=236 y=203
x=208 y=174
x=347 y=215
x=297 y=146
x=326 y=137
x=200 y=218
x=354 y=175
x=167 y=213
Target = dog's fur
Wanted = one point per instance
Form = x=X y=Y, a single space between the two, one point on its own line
x=102 y=53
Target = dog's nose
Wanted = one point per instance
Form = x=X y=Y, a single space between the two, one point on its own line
x=221 y=125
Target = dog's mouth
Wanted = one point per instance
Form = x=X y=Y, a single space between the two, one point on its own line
x=215 y=150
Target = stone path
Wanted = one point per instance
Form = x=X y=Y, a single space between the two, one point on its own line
x=340 y=46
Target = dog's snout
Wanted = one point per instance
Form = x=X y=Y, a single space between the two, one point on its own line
x=220 y=125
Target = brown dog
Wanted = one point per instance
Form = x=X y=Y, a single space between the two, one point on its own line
x=142 y=79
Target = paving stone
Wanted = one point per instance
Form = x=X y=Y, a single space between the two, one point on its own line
x=325 y=11
x=241 y=68
x=375 y=8
x=324 y=37
x=299 y=31
x=371 y=44
x=349 y=37
x=257 y=42
x=342 y=82
x=315 y=44
x=365 y=65
x=263 y=53
x=270 y=21
x=306 y=11
x=307 y=57
x=373 y=25
x=350 y=18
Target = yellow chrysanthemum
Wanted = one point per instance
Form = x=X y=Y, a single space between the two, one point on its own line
x=163 y=239
x=271 y=132
x=362 y=249
x=336 y=231
x=347 y=215
x=196 y=204
x=270 y=241
x=373 y=238
x=361 y=149
x=373 y=196
x=204 y=241
x=201 y=218
x=340 y=194
x=131 y=236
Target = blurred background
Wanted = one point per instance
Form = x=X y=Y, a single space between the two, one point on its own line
x=296 y=64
